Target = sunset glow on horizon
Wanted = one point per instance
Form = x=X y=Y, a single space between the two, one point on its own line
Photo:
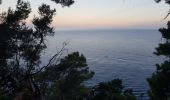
x=115 y=14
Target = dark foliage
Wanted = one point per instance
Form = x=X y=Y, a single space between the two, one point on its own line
x=20 y=50
x=160 y=80
x=67 y=78
x=22 y=77
x=112 y=90
x=64 y=2
x=166 y=1
x=21 y=46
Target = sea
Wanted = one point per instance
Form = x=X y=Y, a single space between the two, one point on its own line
x=111 y=54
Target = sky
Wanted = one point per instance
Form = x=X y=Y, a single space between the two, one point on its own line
x=103 y=14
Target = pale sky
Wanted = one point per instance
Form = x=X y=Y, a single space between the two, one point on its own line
x=114 y=14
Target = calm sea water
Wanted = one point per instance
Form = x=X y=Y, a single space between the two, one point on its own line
x=125 y=54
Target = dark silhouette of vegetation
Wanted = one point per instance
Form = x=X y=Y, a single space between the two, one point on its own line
x=66 y=78
x=20 y=50
x=112 y=90
x=23 y=77
x=160 y=80
x=166 y=1
x=62 y=2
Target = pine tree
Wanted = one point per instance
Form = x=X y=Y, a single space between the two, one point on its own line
x=160 y=80
x=112 y=90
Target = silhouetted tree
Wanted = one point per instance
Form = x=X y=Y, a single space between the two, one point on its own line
x=166 y=1
x=21 y=75
x=66 y=78
x=62 y=2
x=21 y=46
x=160 y=80
x=112 y=90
